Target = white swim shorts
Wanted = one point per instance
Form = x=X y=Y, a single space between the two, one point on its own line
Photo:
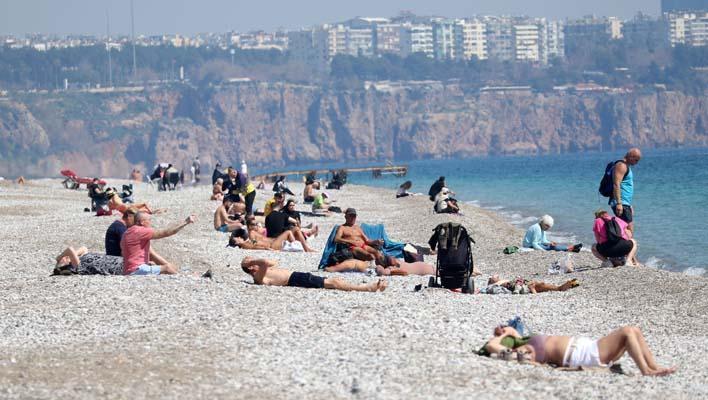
x=582 y=352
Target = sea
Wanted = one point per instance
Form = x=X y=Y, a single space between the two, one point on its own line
x=670 y=200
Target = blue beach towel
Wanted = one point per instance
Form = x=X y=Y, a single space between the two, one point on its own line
x=390 y=247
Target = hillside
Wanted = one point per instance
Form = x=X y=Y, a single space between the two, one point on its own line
x=278 y=123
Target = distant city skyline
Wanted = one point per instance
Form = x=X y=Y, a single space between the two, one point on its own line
x=19 y=17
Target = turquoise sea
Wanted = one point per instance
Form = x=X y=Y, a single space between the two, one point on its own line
x=670 y=201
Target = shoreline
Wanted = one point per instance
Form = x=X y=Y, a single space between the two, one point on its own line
x=167 y=336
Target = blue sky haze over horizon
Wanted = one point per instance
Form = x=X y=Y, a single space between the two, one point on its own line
x=19 y=17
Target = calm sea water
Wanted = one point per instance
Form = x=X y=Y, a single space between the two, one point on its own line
x=670 y=201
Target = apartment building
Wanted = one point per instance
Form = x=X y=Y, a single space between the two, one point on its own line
x=552 y=40
x=388 y=38
x=444 y=47
x=500 y=38
x=470 y=40
x=527 y=42
x=690 y=29
x=417 y=38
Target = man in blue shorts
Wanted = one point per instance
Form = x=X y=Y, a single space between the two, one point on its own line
x=266 y=272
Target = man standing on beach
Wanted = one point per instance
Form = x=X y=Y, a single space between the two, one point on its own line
x=351 y=235
x=135 y=246
x=623 y=187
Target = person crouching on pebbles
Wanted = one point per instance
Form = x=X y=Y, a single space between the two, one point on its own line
x=265 y=272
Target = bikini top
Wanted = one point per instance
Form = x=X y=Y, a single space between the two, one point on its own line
x=538 y=343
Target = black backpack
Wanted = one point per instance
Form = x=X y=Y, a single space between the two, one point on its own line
x=613 y=231
x=454 y=263
x=607 y=184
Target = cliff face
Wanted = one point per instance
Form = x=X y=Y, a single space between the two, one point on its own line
x=281 y=124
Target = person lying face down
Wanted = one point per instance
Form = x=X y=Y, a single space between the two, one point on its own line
x=265 y=272
x=575 y=352
x=522 y=286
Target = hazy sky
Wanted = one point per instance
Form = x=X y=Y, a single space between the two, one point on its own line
x=192 y=16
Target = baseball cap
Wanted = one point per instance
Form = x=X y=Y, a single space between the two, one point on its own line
x=350 y=211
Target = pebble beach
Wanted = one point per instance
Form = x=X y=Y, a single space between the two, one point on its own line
x=183 y=336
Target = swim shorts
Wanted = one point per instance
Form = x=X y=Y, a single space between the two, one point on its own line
x=223 y=228
x=627 y=213
x=147 y=269
x=306 y=280
x=582 y=352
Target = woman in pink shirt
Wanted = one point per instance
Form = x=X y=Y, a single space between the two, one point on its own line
x=613 y=252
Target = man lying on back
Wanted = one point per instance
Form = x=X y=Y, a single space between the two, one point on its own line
x=266 y=272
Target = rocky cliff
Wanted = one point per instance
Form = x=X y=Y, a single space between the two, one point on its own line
x=282 y=124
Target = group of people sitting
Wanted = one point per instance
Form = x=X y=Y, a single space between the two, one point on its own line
x=283 y=228
x=127 y=249
x=614 y=244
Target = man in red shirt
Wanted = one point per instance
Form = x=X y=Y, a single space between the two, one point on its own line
x=135 y=246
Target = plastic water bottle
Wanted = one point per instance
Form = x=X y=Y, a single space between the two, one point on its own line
x=244 y=167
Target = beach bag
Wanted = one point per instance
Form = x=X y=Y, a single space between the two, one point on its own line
x=606 y=183
x=613 y=231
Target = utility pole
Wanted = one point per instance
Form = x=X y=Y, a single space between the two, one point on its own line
x=132 y=39
x=108 y=49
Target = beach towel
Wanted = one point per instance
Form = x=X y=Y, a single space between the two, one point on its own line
x=373 y=232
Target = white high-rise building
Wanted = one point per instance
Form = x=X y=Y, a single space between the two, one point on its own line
x=416 y=38
x=500 y=38
x=688 y=29
x=471 y=40
x=444 y=40
x=527 y=43
x=552 y=41
x=360 y=41
x=388 y=38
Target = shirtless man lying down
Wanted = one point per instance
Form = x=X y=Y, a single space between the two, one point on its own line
x=266 y=272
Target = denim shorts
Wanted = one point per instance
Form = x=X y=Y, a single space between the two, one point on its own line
x=147 y=269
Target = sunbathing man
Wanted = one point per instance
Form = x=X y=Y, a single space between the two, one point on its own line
x=350 y=235
x=308 y=194
x=217 y=191
x=222 y=223
x=266 y=272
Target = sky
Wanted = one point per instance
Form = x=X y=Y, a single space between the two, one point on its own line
x=18 y=17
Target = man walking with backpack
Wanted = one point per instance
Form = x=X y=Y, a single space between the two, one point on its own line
x=623 y=187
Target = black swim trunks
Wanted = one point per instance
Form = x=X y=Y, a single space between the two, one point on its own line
x=306 y=280
x=627 y=213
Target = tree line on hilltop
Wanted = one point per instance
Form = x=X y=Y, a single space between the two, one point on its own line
x=614 y=63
